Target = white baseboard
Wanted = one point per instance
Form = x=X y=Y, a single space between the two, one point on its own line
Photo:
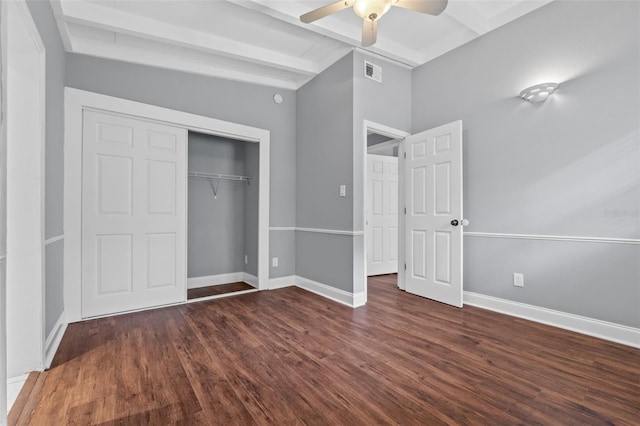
x=252 y=280
x=14 y=386
x=54 y=338
x=332 y=293
x=604 y=330
x=209 y=280
x=359 y=299
x=282 y=282
x=329 y=292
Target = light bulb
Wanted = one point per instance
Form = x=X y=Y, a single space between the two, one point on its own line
x=371 y=10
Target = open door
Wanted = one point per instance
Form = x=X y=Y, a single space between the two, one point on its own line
x=433 y=171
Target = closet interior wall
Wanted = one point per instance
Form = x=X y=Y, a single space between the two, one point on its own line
x=222 y=228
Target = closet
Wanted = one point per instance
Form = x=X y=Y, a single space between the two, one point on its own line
x=222 y=218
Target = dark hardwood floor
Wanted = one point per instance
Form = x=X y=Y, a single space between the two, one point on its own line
x=215 y=290
x=290 y=357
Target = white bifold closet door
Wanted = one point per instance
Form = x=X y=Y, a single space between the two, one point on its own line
x=382 y=214
x=133 y=214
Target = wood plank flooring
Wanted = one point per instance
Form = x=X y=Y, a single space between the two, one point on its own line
x=214 y=290
x=289 y=357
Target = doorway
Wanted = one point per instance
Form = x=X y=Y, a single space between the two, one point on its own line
x=429 y=204
x=382 y=207
x=222 y=237
x=25 y=144
x=383 y=141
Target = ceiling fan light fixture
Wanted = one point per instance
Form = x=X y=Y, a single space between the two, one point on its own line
x=371 y=10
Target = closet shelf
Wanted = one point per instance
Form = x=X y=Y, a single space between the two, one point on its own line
x=217 y=176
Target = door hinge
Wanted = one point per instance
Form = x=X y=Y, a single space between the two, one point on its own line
x=405 y=266
x=405 y=155
x=405 y=210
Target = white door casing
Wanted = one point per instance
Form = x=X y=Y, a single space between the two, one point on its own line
x=24 y=68
x=434 y=213
x=133 y=214
x=382 y=214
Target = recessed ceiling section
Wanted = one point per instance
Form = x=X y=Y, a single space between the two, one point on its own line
x=263 y=41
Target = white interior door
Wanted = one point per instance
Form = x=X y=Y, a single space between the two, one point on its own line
x=382 y=214
x=133 y=214
x=434 y=213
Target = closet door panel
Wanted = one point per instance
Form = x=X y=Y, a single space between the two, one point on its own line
x=134 y=214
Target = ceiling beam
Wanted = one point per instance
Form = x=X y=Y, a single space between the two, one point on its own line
x=518 y=9
x=337 y=29
x=109 y=19
x=63 y=28
x=102 y=49
x=467 y=15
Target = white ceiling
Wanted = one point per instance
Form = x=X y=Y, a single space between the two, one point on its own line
x=263 y=41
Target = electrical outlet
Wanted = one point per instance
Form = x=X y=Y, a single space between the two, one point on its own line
x=274 y=262
x=518 y=279
x=246 y=259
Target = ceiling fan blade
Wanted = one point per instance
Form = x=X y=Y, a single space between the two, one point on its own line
x=431 y=7
x=369 y=32
x=323 y=11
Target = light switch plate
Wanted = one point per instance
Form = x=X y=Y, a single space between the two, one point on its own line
x=343 y=190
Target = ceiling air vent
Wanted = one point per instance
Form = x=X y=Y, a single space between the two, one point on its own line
x=374 y=72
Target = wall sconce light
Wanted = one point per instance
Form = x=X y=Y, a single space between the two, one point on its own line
x=539 y=92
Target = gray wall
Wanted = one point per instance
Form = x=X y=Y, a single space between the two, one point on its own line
x=325 y=148
x=324 y=160
x=331 y=147
x=215 y=224
x=563 y=167
x=54 y=296
x=54 y=159
x=223 y=99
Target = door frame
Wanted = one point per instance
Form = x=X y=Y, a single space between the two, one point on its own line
x=76 y=101
x=35 y=294
x=391 y=132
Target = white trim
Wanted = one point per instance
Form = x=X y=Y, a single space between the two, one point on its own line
x=326 y=291
x=215 y=296
x=337 y=295
x=282 y=282
x=14 y=386
x=592 y=327
x=399 y=137
x=36 y=151
x=316 y=230
x=53 y=339
x=372 y=149
x=633 y=241
x=210 y=280
x=252 y=280
x=54 y=239
x=359 y=299
x=330 y=231
x=78 y=100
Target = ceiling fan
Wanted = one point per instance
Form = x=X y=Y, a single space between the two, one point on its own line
x=372 y=10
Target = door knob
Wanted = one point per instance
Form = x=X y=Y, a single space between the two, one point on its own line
x=454 y=222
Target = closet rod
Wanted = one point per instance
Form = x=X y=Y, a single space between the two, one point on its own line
x=219 y=176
